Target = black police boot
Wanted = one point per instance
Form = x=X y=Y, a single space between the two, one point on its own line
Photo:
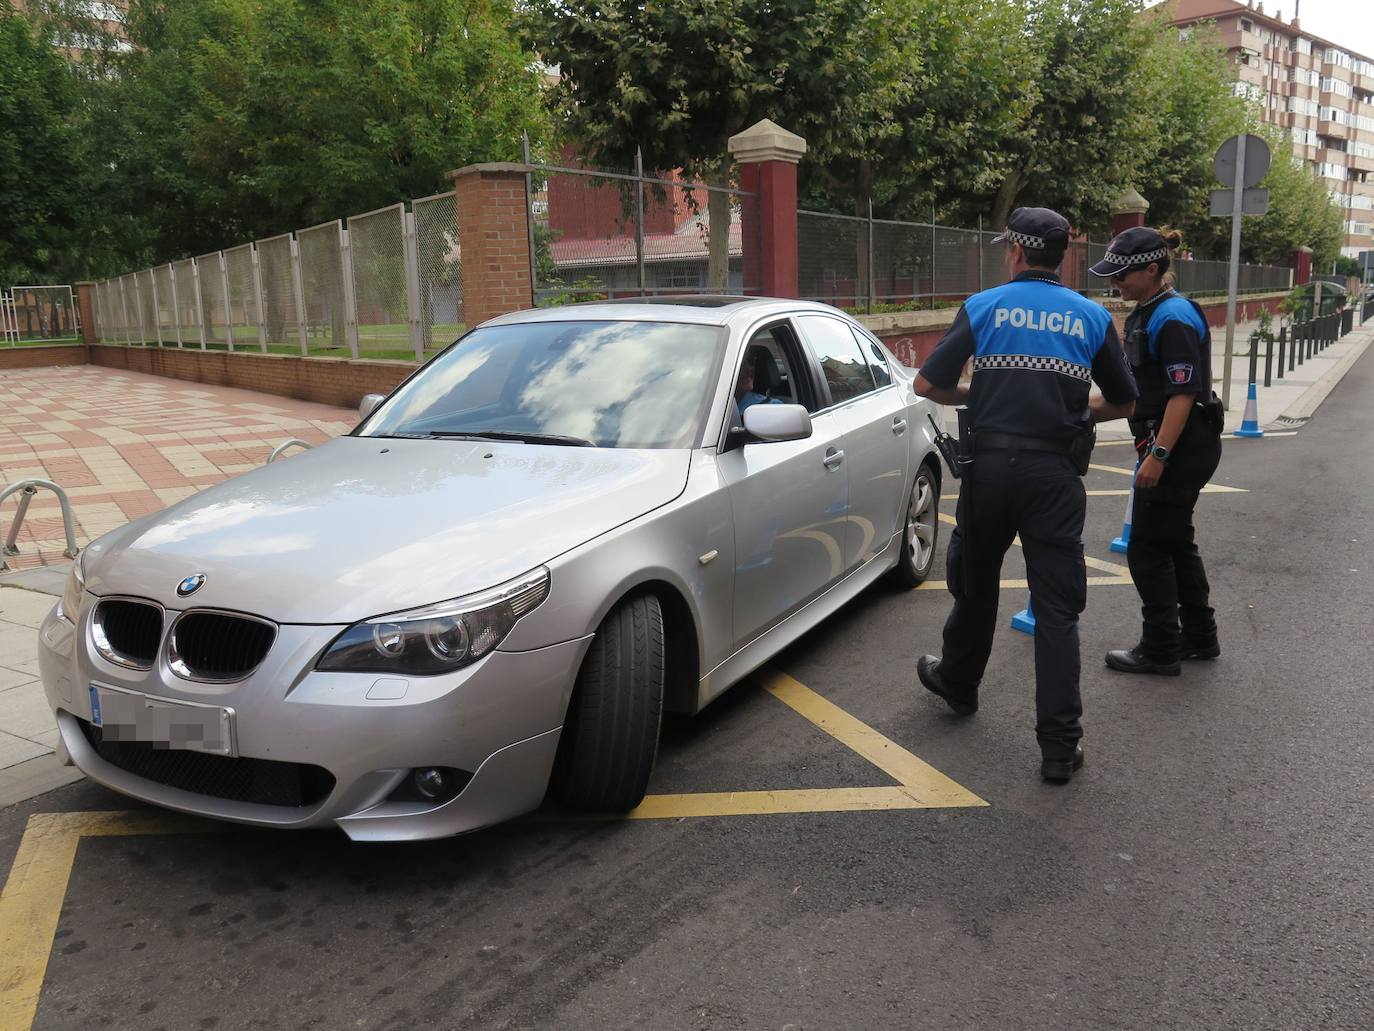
x=1061 y=770
x=1135 y=660
x=1205 y=650
x=928 y=669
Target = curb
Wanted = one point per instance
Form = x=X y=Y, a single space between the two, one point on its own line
x=35 y=777
x=1302 y=409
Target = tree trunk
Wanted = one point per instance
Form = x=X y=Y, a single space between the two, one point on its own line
x=718 y=216
x=1006 y=199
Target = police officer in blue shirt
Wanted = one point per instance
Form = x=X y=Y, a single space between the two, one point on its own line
x=1036 y=347
x=1177 y=427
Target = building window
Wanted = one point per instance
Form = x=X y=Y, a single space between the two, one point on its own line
x=1246 y=25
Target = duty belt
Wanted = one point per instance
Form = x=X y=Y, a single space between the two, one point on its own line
x=1010 y=441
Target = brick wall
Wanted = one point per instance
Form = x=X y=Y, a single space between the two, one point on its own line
x=493 y=234
x=42 y=357
x=332 y=381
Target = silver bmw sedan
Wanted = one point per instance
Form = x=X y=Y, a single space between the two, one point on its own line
x=569 y=521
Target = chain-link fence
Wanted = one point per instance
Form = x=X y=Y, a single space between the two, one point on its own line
x=279 y=277
x=381 y=278
x=868 y=263
x=327 y=324
x=440 y=271
x=601 y=233
x=384 y=284
x=241 y=282
x=46 y=313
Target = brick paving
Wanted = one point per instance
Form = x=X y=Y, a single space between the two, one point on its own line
x=124 y=444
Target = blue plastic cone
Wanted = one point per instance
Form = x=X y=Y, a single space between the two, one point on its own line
x=1120 y=544
x=1025 y=619
x=1249 y=426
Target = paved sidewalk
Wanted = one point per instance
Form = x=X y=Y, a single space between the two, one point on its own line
x=1290 y=401
x=122 y=444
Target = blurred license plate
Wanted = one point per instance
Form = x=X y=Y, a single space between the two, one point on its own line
x=129 y=716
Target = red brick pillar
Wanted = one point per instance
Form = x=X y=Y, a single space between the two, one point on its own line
x=85 y=304
x=1128 y=211
x=768 y=156
x=1300 y=261
x=493 y=240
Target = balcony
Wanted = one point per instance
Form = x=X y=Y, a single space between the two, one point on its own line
x=1335 y=130
x=1361 y=163
x=1330 y=99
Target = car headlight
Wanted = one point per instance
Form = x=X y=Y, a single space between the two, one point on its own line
x=71 y=593
x=437 y=638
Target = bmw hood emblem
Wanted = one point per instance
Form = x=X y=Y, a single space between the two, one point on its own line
x=191 y=584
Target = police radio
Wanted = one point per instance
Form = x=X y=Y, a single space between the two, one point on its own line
x=948 y=448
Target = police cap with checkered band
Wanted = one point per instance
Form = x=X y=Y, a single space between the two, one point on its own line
x=1135 y=248
x=1039 y=230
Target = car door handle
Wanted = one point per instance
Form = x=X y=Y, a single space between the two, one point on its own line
x=899 y=426
x=833 y=458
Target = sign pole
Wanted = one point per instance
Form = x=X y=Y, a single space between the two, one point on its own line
x=1233 y=278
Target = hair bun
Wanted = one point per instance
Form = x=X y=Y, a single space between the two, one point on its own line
x=1173 y=239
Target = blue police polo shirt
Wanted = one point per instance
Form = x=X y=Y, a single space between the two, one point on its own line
x=1170 y=349
x=1037 y=348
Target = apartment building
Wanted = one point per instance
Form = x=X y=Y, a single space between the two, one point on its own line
x=101 y=20
x=1322 y=93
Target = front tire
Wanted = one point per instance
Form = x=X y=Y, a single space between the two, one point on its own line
x=610 y=738
x=922 y=529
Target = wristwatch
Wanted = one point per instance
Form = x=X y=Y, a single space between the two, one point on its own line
x=1162 y=453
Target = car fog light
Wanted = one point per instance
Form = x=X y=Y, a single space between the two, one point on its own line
x=431 y=782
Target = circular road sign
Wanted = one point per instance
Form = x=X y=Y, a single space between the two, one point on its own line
x=1256 y=160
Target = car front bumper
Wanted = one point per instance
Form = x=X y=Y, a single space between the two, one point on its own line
x=498 y=719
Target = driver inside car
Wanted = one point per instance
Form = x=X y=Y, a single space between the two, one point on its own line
x=757 y=370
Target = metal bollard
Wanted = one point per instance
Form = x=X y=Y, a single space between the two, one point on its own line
x=1254 y=355
x=1268 y=359
x=1283 y=341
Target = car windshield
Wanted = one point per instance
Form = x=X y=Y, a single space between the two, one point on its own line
x=607 y=384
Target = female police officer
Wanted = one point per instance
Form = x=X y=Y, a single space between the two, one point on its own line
x=1177 y=429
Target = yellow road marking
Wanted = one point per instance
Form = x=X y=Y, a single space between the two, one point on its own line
x=31 y=903
x=925 y=780
x=1111 y=469
x=768 y=803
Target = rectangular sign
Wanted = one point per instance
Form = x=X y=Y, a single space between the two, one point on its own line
x=1252 y=202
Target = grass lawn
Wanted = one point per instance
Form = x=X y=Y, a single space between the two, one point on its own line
x=379 y=342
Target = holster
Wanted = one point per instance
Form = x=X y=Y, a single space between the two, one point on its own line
x=1081 y=449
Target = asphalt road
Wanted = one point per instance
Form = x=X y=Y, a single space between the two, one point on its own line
x=1212 y=867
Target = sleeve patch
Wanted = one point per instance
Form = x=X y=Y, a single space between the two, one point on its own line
x=1180 y=373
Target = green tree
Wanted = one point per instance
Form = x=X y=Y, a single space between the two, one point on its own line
x=39 y=175
x=940 y=86
x=1090 y=129
x=1196 y=110
x=678 y=80
x=235 y=119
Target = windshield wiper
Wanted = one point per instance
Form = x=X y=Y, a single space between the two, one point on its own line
x=524 y=438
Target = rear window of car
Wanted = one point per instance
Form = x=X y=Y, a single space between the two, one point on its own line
x=611 y=384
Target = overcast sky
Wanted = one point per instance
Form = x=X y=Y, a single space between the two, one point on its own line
x=1347 y=23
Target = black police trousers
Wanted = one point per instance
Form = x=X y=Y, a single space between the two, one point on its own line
x=1175 y=603
x=1038 y=495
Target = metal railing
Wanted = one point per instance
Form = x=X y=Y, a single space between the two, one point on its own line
x=599 y=232
x=387 y=283
x=39 y=313
x=26 y=489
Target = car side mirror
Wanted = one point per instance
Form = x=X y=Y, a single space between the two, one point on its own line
x=369 y=404
x=773 y=423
